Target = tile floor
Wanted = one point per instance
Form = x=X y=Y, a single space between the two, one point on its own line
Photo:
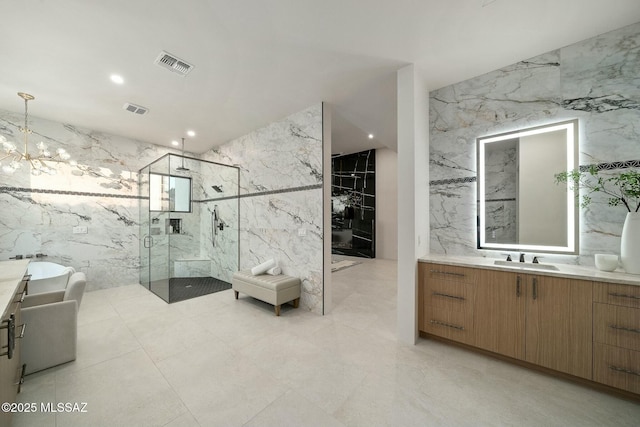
x=215 y=361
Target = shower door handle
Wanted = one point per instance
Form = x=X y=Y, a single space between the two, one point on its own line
x=148 y=241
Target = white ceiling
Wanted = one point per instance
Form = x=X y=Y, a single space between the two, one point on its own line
x=258 y=61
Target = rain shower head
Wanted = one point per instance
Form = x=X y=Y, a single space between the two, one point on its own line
x=218 y=188
x=182 y=168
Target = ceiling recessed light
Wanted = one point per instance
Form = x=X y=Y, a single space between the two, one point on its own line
x=117 y=79
x=370 y=136
x=174 y=142
x=191 y=133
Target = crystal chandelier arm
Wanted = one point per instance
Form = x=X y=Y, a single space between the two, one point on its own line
x=37 y=162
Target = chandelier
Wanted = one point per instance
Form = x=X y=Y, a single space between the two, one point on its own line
x=44 y=162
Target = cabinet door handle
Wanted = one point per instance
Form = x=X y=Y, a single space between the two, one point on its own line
x=22 y=295
x=613 y=294
x=20 y=380
x=624 y=370
x=24 y=326
x=447 y=325
x=518 y=284
x=450 y=273
x=438 y=294
x=535 y=288
x=11 y=336
x=623 y=328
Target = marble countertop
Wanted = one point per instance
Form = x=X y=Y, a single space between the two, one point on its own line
x=11 y=273
x=564 y=270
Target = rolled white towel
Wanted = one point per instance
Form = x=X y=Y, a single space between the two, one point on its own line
x=274 y=271
x=264 y=267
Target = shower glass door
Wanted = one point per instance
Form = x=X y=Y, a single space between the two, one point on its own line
x=145 y=218
x=159 y=234
x=189 y=226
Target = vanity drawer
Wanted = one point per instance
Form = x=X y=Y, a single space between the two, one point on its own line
x=454 y=325
x=628 y=296
x=617 y=326
x=617 y=367
x=451 y=296
x=449 y=273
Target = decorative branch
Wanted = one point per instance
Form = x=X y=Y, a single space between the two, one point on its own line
x=622 y=189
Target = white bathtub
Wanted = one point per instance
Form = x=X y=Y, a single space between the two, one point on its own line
x=48 y=276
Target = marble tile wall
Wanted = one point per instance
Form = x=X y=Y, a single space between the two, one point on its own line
x=220 y=246
x=38 y=213
x=281 y=176
x=280 y=193
x=595 y=81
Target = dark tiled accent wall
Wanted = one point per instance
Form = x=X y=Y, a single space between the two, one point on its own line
x=353 y=179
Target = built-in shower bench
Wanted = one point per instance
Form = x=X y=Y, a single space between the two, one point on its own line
x=276 y=290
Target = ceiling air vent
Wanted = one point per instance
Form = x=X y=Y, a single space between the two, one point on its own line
x=173 y=63
x=136 y=109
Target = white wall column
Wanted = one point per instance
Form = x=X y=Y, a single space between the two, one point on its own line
x=413 y=196
x=386 y=204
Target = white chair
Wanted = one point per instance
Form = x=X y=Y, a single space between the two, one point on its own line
x=51 y=320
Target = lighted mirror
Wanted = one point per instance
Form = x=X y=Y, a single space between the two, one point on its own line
x=520 y=206
x=169 y=193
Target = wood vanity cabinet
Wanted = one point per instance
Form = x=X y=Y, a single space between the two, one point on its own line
x=446 y=307
x=11 y=330
x=616 y=336
x=544 y=320
x=499 y=313
x=558 y=324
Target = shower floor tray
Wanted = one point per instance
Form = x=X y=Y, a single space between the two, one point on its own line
x=183 y=288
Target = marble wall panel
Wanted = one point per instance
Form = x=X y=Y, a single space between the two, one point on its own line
x=39 y=213
x=102 y=194
x=595 y=81
x=222 y=249
x=280 y=192
x=283 y=154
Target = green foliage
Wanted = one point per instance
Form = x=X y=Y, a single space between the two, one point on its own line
x=621 y=189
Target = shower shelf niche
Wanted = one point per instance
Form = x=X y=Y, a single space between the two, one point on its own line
x=174 y=226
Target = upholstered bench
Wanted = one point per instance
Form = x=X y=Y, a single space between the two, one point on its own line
x=276 y=290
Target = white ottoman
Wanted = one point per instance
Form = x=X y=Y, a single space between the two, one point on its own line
x=276 y=290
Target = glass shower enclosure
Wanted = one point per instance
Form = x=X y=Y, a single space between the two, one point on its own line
x=189 y=226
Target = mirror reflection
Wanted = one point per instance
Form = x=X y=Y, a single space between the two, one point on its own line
x=520 y=207
x=168 y=193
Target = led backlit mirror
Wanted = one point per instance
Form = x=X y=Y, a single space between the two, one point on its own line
x=520 y=207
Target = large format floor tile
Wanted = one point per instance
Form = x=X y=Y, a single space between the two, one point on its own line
x=218 y=361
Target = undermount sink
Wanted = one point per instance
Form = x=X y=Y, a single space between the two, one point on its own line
x=532 y=265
